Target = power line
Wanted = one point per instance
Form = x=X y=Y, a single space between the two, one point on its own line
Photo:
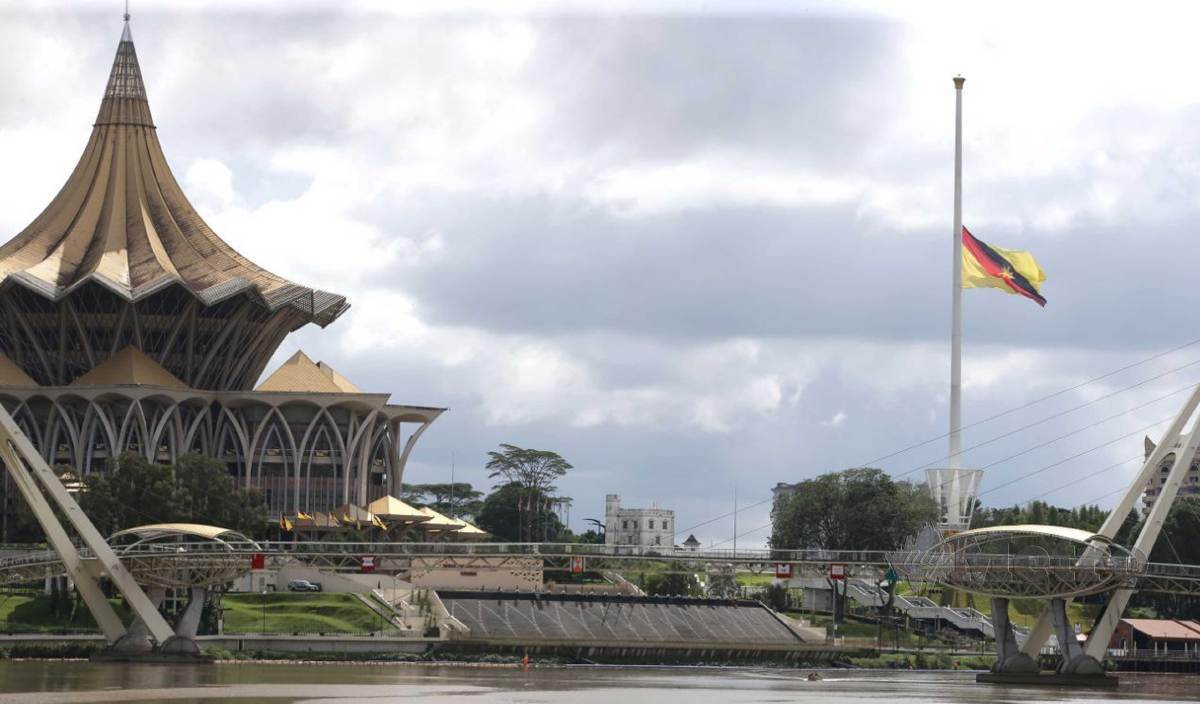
x=1063 y=437
x=1034 y=424
x=1098 y=499
x=1084 y=478
x=725 y=515
x=1010 y=411
x=1074 y=456
x=1036 y=401
x=742 y=535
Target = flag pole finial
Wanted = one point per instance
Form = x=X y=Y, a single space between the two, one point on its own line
x=959 y=81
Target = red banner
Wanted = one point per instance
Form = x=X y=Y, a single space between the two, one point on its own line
x=783 y=570
x=837 y=570
x=258 y=561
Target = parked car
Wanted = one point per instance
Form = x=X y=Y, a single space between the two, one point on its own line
x=303 y=585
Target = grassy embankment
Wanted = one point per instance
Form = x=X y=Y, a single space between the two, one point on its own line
x=285 y=613
x=299 y=613
x=34 y=613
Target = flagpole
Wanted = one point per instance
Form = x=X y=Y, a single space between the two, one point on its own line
x=956 y=294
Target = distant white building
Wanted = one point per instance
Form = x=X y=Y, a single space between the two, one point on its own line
x=637 y=526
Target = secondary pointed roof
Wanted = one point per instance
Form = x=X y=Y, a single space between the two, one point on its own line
x=130 y=367
x=302 y=375
x=122 y=220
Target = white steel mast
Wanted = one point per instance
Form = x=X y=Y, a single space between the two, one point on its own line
x=956 y=294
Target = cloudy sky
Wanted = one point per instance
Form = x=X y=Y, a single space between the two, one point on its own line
x=690 y=246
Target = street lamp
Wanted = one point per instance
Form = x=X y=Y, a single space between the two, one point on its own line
x=264 y=608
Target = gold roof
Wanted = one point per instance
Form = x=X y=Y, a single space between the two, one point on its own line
x=438 y=521
x=301 y=375
x=338 y=380
x=317 y=520
x=469 y=529
x=121 y=220
x=12 y=375
x=129 y=367
x=349 y=513
x=393 y=509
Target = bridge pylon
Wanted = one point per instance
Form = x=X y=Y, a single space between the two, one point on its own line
x=39 y=486
x=1077 y=662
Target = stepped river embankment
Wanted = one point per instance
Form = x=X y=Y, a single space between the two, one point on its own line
x=45 y=682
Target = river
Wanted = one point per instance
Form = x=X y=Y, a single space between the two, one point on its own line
x=255 y=683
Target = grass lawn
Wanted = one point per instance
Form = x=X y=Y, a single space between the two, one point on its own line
x=26 y=613
x=299 y=613
x=749 y=579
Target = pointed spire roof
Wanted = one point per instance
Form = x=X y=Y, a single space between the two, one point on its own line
x=122 y=221
x=129 y=367
x=302 y=375
x=124 y=101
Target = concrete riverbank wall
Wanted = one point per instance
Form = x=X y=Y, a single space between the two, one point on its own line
x=640 y=627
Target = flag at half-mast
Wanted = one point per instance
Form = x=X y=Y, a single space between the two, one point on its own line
x=1010 y=270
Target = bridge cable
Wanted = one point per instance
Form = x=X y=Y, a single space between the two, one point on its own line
x=1077 y=455
x=1036 y=423
x=1025 y=427
x=1036 y=401
x=1085 y=477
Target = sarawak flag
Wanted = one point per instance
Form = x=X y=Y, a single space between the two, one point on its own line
x=1010 y=270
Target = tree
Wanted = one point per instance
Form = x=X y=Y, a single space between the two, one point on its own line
x=856 y=509
x=209 y=495
x=533 y=469
x=454 y=500
x=133 y=492
x=502 y=516
x=675 y=583
x=136 y=491
x=534 y=473
x=590 y=537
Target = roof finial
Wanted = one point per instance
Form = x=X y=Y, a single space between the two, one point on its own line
x=126 y=10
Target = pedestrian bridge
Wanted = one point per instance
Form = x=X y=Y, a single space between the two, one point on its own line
x=170 y=564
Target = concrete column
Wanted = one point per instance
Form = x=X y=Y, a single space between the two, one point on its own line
x=1009 y=658
x=184 y=640
x=137 y=637
x=1074 y=661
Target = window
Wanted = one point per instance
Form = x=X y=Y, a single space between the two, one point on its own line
x=666 y=525
x=657 y=540
x=651 y=524
x=625 y=525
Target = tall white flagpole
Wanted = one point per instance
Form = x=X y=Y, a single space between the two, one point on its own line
x=956 y=295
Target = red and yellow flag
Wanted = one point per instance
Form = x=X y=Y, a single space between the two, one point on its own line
x=1010 y=270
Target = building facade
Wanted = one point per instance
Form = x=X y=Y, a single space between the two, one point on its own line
x=128 y=324
x=1189 y=487
x=646 y=527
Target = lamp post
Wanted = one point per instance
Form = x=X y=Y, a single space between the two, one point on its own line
x=379 y=587
x=264 y=609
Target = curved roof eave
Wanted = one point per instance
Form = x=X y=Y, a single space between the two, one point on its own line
x=322 y=315
x=197 y=530
x=1075 y=534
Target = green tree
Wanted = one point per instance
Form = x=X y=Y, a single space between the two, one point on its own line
x=455 y=500
x=133 y=492
x=208 y=494
x=501 y=515
x=198 y=489
x=856 y=509
x=675 y=583
x=534 y=473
